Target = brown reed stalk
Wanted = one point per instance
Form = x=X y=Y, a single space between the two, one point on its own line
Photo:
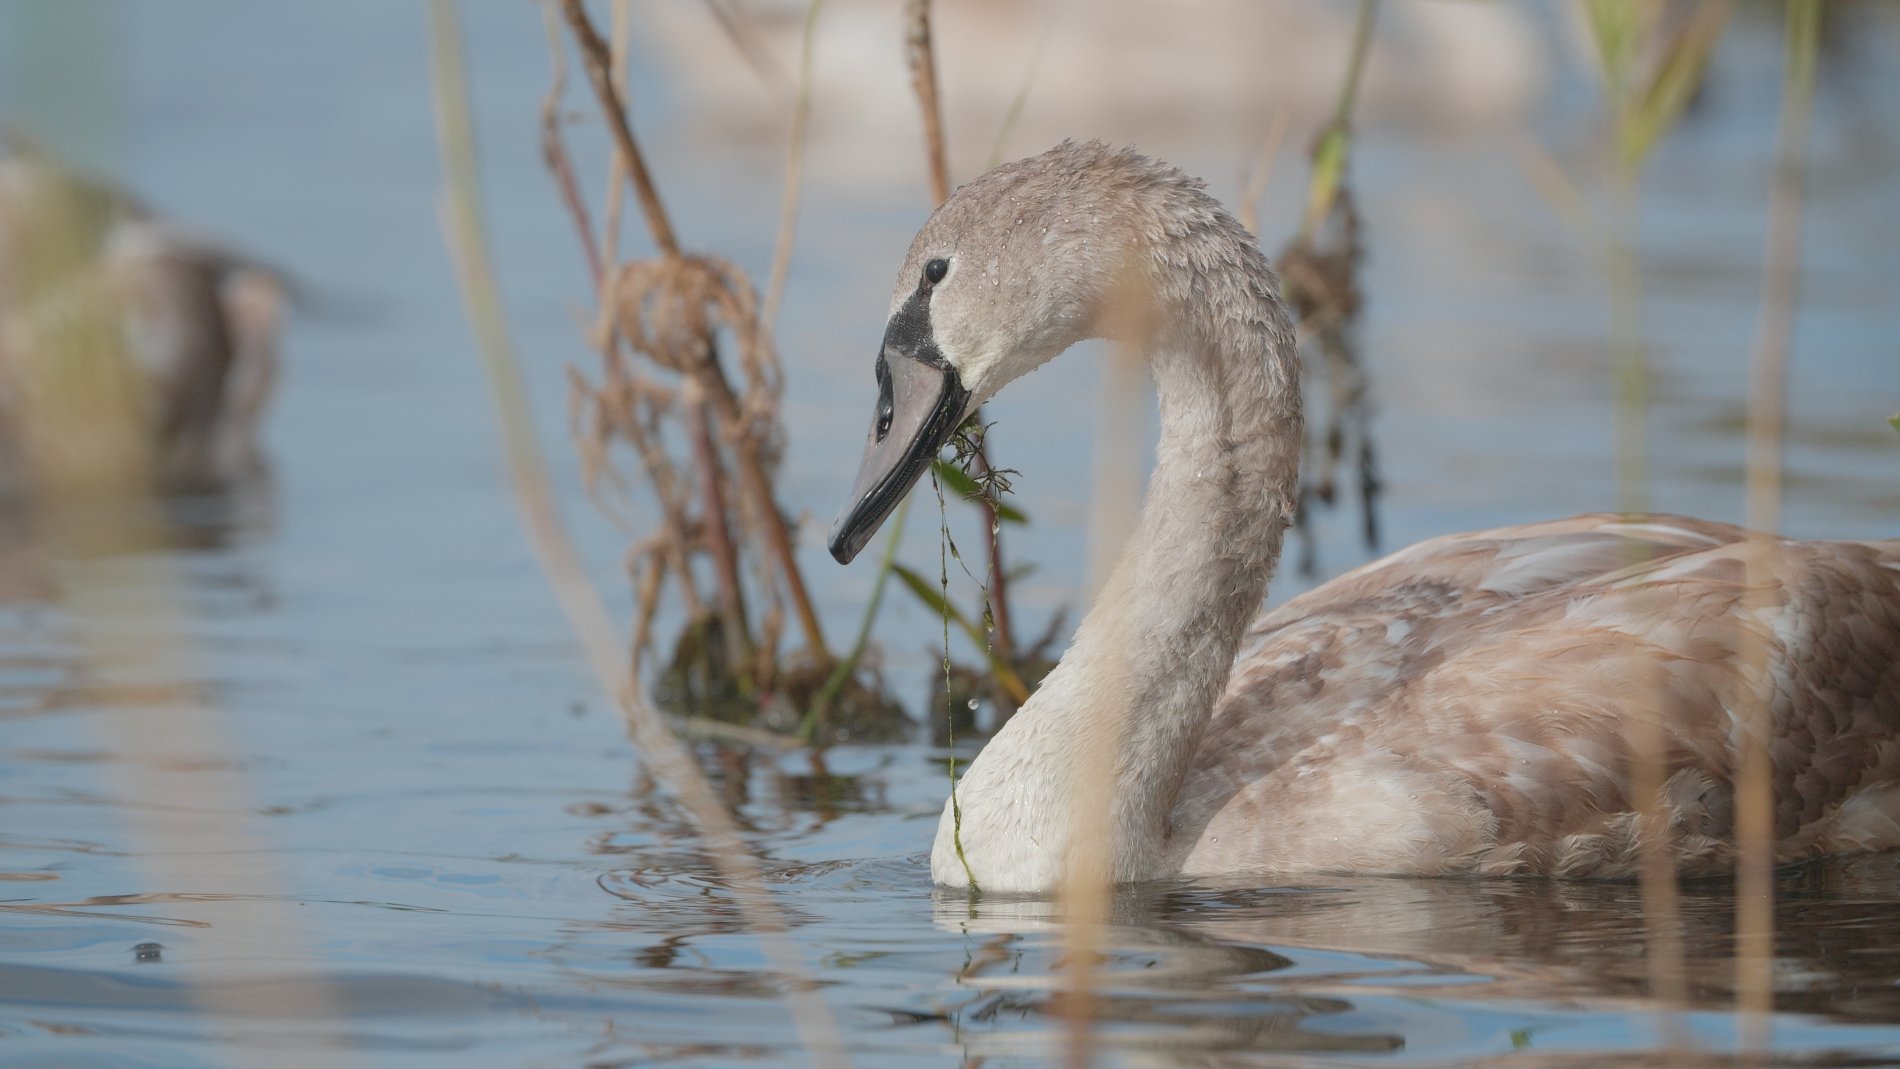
x=921 y=55
x=1019 y=101
x=1254 y=181
x=554 y=154
x=595 y=469
x=1319 y=271
x=1650 y=71
x=1768 y=378
x=794 y=171
x=641 y=431
x=621 y=27
x=734 y=416
x=1663 y=950
x=719 y=542
x=664 y=756
x=739 y=29
x=615 y=409
x=597 y=60
x=1088 y=885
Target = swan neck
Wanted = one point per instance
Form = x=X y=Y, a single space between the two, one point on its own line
x=1152 y=657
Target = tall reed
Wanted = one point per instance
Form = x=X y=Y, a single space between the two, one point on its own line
x=91 y=453
x=1768 y=378
x=1650 y=68
x=669 y=761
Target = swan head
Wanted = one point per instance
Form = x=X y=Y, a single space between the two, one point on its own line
x=1006 y=274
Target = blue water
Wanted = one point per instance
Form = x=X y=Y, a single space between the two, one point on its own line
x=373 y=810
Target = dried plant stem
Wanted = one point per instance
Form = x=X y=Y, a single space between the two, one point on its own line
x=794 y=170
x=922 y=57
x=599 y=63
x=1088 y=885
x=753 y=479
x=659 y=471
x=1021 y=100
x=923 y=79
x=1663 y=948
x=725 y=554
x=1002 y=632
x=1115 y=493
x=622 y=29
x=1629 y=359
x=649 y=578
x=738 y=28
x=1255 y=184
x=668 y=760
x=778 y=535
x=1754 y=788
x=560 y=164
x=554 y=151
x=1548 y=178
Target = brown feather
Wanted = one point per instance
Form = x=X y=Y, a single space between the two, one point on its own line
x=1498 y=674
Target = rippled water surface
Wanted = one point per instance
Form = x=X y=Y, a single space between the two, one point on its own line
x=329 y=782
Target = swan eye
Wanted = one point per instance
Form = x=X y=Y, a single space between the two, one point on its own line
x=935 y=270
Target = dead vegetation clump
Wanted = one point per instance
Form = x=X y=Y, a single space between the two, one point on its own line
x=703 y=430
x=1319 y=275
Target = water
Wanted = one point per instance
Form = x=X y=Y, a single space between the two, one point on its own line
x=378 y=763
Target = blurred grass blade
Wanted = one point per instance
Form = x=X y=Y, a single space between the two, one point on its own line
x=1755 y=816
x=1335 y=143
x=1329 y=166
x=1615 y=27
x=1684 y=62
x=842 y=672
x=933 y=598
x=664 y=755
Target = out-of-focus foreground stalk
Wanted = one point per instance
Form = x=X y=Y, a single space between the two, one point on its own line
x=1649 y=72
x=1768 y=378
x=82 y=413
x=664 y=755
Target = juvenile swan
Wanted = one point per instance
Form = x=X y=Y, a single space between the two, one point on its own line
x=1463 y=706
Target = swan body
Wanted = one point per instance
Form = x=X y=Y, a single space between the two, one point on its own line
x=1464 y=706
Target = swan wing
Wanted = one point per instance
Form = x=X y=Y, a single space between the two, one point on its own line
x=1468 y=704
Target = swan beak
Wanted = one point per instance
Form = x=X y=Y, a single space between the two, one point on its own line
x=920 y=403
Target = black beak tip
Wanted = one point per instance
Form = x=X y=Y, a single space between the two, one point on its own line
x=845 y=543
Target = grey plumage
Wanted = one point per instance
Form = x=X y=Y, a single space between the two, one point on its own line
x=1463 y=706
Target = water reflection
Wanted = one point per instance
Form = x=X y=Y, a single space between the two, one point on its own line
x=1177 y=955
x=1196 y=973
x=42 y=672
x=450 y=807
x=1201 y=973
